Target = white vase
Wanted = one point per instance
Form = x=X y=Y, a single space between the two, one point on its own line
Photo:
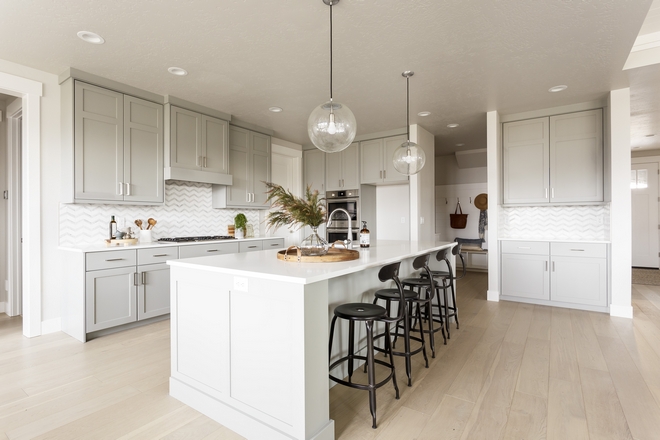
x=238 y=233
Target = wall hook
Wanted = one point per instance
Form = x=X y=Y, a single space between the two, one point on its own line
x=470 y=200
x=446 y=202
x=458 y=200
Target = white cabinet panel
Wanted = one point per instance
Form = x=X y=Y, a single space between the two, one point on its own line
x=204 y=250
x=390 y=174
x=342 y=170
x=333 y=171
x=153 y=296
x=110 y=298
x=185 y=142
x=525 y=276
x=371 y=161
x=214 y=145
x=250 y=246
x=314 y=170
x=579 y=280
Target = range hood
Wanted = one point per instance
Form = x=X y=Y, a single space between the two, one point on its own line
x=197 y=176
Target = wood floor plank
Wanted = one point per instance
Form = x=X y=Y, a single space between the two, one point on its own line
x=527 y=418
x=604 y=413
x=448 y=421
x=541 y=321
x=534 y=371
x=163 y=425
x=566 y=415
x=223 y=434
x=406 y=424
x=639 y=406
x=491 y=411
x=603 y=324
x=563 y=359
x=586 y=345
x=197 y=428
x=519 y=327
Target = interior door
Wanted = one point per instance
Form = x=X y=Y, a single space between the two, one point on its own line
x=644 y=187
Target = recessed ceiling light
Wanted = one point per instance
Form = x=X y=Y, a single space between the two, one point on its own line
x=650 y=135
x=423 y=114
x=91 y=37
x=557 y=89
x=275 y=109
x=454 y=125
x=635 y=148
x=459 y=145
x=178 y=71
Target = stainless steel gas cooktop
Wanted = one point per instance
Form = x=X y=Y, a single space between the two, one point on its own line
x=199 y=238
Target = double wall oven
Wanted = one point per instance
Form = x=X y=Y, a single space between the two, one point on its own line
x=349 y=201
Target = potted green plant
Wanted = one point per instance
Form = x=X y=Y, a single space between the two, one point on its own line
x=297 y=212
x=239 y=224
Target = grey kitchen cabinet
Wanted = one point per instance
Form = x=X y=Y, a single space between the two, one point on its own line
x=342 y=169
x=553 y=160
x=249 y=164
x=205 y=250
x=566 y=274
x=117 y=147
x=196 y=147
x=273 y=243
x=314 y=170
x=250 y=246
x=376 y=164
x=126 y=286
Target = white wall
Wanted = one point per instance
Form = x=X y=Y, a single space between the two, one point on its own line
x=422 y=189
x=392 y=206
x=3 y=206
x=447 y=172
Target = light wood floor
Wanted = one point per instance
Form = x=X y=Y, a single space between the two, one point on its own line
x=512 y=371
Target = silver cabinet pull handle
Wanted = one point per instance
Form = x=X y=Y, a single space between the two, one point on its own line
x=546 y=193
x=144 y=278
x=212 y=250
x=160 y=255
x=275 y=244
x=546 y=266
x=384 y=174
x=251 y=247
x=553 y=266
x=135 y=279
x=205 y=165
x=128 y=189
x=524 y=247
x=577 y=250
x=121 y=188
x=553 y=193
x=114 y=259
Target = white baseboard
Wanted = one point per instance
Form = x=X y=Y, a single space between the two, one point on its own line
x=621 y=311
x=493 y=295
x=51 y=326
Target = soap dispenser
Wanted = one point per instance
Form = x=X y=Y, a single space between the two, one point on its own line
x=364 y=235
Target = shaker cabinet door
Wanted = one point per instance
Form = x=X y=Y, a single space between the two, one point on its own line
x=526 y=276
x=99 y=143
x=314 y=170
x=371 y=161
x=214 y=145
x=143 y=151
x=153 y=297
x=260 y=168
x=110 y=298
x=350 y=161
x=390 y=145
x=185 y=138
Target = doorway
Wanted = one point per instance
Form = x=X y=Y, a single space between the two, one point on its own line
x=14 y=208
x=644 y=188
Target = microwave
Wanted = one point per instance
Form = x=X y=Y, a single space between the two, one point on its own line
x=347 y=200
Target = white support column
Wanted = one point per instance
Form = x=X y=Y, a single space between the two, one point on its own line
x=493 y=140
x=621 y=212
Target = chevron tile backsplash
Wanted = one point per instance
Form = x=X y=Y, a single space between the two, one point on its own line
x=187 y=211
x=555 y=222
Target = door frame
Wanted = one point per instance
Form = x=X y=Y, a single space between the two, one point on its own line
x=296 y=157
x=14 y=168
x=30 y=92
x=648 y=159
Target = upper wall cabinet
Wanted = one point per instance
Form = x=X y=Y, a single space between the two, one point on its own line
x=196 y=147
x=556 y=160
x=112 y=146
x=314 y=170
x=376 y=161
x=249 y=162
x=341 y=169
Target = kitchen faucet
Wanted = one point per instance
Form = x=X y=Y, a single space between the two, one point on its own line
x=348 y=243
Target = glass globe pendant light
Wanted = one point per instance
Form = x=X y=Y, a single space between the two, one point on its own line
x=331 y=126
x=409 y=158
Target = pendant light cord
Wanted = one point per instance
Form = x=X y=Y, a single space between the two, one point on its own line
x=331 y=57
x=408 y=107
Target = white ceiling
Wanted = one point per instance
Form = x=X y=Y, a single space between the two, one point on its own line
x=469 y=56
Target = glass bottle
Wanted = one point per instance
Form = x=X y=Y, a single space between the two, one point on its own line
x=113 y=228
x=364 y=235
x=314 y=244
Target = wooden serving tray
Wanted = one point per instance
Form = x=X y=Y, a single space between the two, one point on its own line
x=122 y=242
x=334 y=255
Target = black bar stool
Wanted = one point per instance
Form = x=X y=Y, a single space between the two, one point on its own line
x=406 y=299
x=447 y=282
x=425 y=287
x=369 y=314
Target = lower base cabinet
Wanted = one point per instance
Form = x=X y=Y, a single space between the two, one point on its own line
x=560 y=273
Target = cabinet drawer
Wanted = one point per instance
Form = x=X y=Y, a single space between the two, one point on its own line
x=109 y=259
x=205 y=250
x=157 y=255
x=526 y=247
x=250 y=246
x=273 y=243
x=577 y=249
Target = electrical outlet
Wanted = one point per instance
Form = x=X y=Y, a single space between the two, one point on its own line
x=421 y=220
x=403 y=219
x=240 y=284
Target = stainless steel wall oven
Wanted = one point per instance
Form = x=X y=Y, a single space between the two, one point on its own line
x=349 y=201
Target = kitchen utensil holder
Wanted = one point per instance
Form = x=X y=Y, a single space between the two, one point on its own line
x=145 y=236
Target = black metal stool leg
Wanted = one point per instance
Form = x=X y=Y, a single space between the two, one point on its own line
x=444 y=294
x=388 y=347
x=406 y=341
x=370 y=371
x=453 y=297
x=421 y=336
x=351 y=349
x=430 y=323
x=332 y=335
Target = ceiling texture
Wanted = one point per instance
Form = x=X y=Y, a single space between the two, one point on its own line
x=244 y=56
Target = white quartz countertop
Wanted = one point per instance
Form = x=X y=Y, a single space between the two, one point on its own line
x=102 y=247
x=265 y=264
x=554 y=240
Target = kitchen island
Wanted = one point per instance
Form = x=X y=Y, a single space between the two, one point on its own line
x=250 y=335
